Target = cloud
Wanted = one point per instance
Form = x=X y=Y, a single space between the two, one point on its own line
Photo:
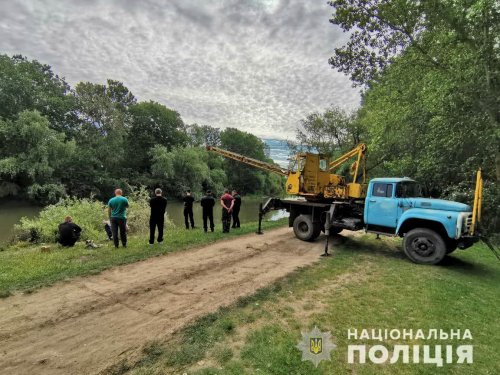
x=259 y=66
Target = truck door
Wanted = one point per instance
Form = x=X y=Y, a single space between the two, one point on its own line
x=382 y=208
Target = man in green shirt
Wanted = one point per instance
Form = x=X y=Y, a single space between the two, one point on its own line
x=117 y=211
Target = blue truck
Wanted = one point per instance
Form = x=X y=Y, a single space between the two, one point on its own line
x=430 y=228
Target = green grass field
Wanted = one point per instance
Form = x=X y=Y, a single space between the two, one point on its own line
x=366 y=284
x=24 y=267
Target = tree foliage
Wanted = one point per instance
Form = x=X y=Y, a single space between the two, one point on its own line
x=331 y=132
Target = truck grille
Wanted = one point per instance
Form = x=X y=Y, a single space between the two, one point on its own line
x=468 y=223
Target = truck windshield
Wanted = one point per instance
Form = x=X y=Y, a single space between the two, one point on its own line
x=408 y=189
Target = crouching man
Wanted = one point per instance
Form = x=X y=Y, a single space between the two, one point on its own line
x=69 y=232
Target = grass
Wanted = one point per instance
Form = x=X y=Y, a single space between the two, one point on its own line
x=25 y=267
x=367 y=284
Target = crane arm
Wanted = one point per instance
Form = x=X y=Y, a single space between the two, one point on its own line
x=360 y=152
x=250 y=161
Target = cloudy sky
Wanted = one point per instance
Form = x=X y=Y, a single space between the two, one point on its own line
x=257 y=65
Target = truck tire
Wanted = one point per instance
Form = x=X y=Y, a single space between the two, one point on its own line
x=424 y=246
x=304 y=228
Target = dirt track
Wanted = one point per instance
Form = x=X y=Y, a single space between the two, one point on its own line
x=87 y=324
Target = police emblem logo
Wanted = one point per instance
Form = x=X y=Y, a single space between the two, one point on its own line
x=316 y=346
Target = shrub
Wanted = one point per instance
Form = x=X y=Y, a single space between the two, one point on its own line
x=88 y=213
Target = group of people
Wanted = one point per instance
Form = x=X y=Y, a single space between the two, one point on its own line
x=116 y=226
x=231 y=205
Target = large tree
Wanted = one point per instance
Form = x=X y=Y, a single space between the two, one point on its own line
x=153 y=124
x=457 y=41
x=30 y=85
x=33 y=154
x=332 y=132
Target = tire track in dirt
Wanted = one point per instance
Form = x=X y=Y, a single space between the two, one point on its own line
x=87 y=324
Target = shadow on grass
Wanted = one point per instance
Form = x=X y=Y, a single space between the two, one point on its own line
x=467 y=267
x=339 y=243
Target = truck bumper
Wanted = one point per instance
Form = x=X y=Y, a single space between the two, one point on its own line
x=466 y=242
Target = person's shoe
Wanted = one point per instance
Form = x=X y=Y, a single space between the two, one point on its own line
x=151 y=243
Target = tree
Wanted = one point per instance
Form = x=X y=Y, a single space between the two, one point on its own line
x=331 y=133
x=31 y=153
x=153 y=124
x=30 y=85
x=205 y=135
x=185 y=168
x=104 y=115
x=456 y=41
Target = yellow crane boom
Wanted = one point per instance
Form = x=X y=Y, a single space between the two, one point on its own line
x=250 y=161
x=360 y=152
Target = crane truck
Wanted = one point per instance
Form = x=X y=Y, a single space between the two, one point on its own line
x=326 y=202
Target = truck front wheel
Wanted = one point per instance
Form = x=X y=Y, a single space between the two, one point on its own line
x=424 y=246
x=305 y=229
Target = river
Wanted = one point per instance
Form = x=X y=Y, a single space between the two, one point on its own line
x=12 y=211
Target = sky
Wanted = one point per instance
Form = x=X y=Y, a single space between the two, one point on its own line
x=257 y=65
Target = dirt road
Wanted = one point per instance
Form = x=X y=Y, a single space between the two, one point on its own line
x=87 y=324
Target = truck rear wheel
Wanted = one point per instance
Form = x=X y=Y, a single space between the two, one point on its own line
x=424 y=246
x=305 y=229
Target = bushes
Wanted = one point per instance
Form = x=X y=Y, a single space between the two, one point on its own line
x=88 y=213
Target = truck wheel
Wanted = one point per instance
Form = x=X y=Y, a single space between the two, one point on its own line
x=335 y=230
x=304 y=228
x=424 y=246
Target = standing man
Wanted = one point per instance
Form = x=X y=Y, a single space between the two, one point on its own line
x=158 y=205
x=69 y=232
x=207 y=204
x=188 y=209
x=236 y=209
x=227 y=202
x=117 y=211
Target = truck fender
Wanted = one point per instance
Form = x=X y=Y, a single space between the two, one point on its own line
x=434 y=219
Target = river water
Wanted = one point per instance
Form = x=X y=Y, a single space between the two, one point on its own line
x=12 y=211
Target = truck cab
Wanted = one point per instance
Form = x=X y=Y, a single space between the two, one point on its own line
x=431 y=228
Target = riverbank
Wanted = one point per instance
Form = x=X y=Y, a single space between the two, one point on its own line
x=25 y=267
x=367 y=284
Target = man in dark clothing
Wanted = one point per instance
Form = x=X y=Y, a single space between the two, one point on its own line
x=236 y=209
x=227 y=202
x=208 y=203
x=188 y=209
x=69 y=232
x=158 y=205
